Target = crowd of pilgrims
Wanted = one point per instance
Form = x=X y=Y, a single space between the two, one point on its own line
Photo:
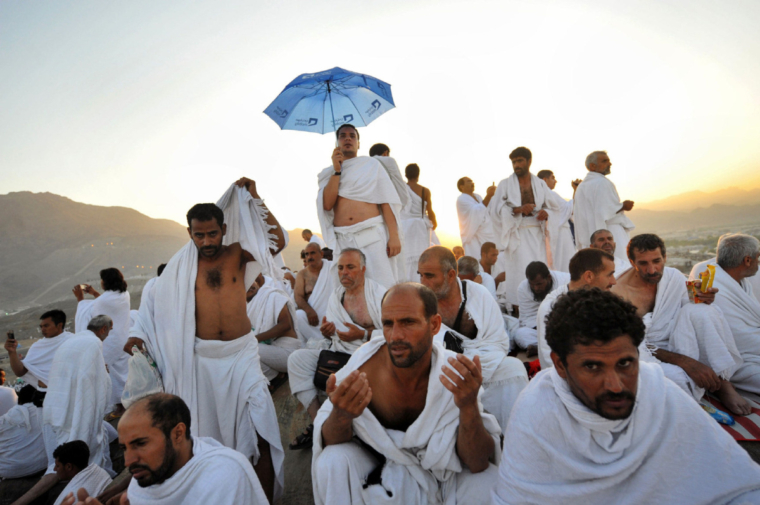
x=551 y=358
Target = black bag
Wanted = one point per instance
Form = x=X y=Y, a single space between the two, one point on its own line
x=329 y=362
x=452 y=341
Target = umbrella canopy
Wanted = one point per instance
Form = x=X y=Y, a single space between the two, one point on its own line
x=322 y=102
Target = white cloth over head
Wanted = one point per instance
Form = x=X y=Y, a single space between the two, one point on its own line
x=215 y=474
x=77 y=399
x=558 y=224
x=417 y=230
x=475 y=228
x=116 y=306
x=39 y=358
x=559 y=451
x=93 y=478
x=422 y=465
x=597 y=206
x=22 y=447
x=318 y=300
x=365 y=179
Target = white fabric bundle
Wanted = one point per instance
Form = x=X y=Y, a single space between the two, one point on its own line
x=318 y=300
x=596 y=207
x=39 y=358
x=264 y=309
x=563 y=247
x=215 y=474
x=559 y=451
x=93 y=478
x=336 y=314
x=671 y=296
x=417 y=230
x=365 y=179
x=422 y=463
x=77 y=398
x=22 y=448
x=116 y=306
x=475 y=226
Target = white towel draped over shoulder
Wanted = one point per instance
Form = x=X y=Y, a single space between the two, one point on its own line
x=597 y=206
x=318 y=300
x=668 y=449
x=362 y=179
x=475 y=226
x=527 y=300
x=215 y=474
x=264 y=309
x=93 y=478
x=742 y=311
x=671 y=296
x=77 y=397
x=336 y=314
x=39 y=358
x=417 y=230
x=394 y=172
x=421 y=462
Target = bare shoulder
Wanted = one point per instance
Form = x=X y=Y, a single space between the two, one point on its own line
x=373 y=365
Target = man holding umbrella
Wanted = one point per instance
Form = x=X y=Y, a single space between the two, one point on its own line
x=359 y=205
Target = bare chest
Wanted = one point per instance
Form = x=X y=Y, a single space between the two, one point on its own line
x=396 y=408
x=467 y=326
x=642 y=300
x=357 y=309
x=220 y=276
x=309 y=281
x=526 y=193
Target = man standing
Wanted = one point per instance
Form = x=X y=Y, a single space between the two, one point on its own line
x=519 y=214
x=603 y=239
x=353 y=313
x=359 y=207
x=417 y=220
x=314 y=284
x=598 y=206
x=35 y=367
x=404 y=420
x=199 y=332
x=474 y=222
x=603 y=427
x=470 y=311
x=539 y=282
x=308 y=236
x=558 y=223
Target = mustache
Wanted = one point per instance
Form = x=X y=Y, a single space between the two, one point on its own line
x=623 y=395
x=135 y=467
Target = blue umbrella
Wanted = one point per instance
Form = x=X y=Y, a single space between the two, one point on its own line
x=323 y=101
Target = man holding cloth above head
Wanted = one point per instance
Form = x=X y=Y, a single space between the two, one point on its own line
x=359 y=205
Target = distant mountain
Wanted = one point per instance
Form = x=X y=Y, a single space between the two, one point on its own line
x=696 y=199
x=715 y=216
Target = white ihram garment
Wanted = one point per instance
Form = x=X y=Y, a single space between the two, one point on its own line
x=527 y=333
x=116 y=306
x=422 y=465
x=39 y=358
x=523 y=239
x=558 y=224
x=318 y=240
x=753 y=281
x=475 y=226
x=544 y=351
x=667 y=450
x=417 y=233
x=318 y=299
x=215 y=474
x=77 y=399
x=93 y=479
x=596 y=207
x=366 y=180
x=22 y=446
x=221 y=382
x=742 y=311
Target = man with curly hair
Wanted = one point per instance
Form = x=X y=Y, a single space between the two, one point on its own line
x=603 y=427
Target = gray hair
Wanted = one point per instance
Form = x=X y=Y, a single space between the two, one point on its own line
x=362 y=257
x=734 y=247
x=593 y=157
x=600 y=230
x=468 y=266
x=99 y=322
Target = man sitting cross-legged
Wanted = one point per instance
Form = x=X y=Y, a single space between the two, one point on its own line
x=604 y=427
x=539 y=281
x=71 y=464
x=353 y=313
x=404 y=423
x=169 y=467
x=314 y=284
x=687 y=337
x=470 y=311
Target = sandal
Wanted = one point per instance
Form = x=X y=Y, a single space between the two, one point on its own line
x=278 y=381
x=304 y=440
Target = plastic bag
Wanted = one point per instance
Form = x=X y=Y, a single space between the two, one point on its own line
x=143 y=378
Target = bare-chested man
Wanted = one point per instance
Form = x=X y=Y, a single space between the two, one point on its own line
x=359 y=206
x=469 y=309
x=660 y=296
x=413 y=403
x=314 y=284
x=604 y=240
x=353 y=313
x=518 y=214
x=218 y=376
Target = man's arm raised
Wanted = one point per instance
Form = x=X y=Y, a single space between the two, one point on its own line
x=474 y=444
x=250 y=185
x=349 y=401
x=330 y=196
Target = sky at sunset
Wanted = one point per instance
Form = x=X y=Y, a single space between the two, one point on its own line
x=158 y=105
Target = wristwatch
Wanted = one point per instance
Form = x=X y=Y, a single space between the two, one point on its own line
x=336 y=173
